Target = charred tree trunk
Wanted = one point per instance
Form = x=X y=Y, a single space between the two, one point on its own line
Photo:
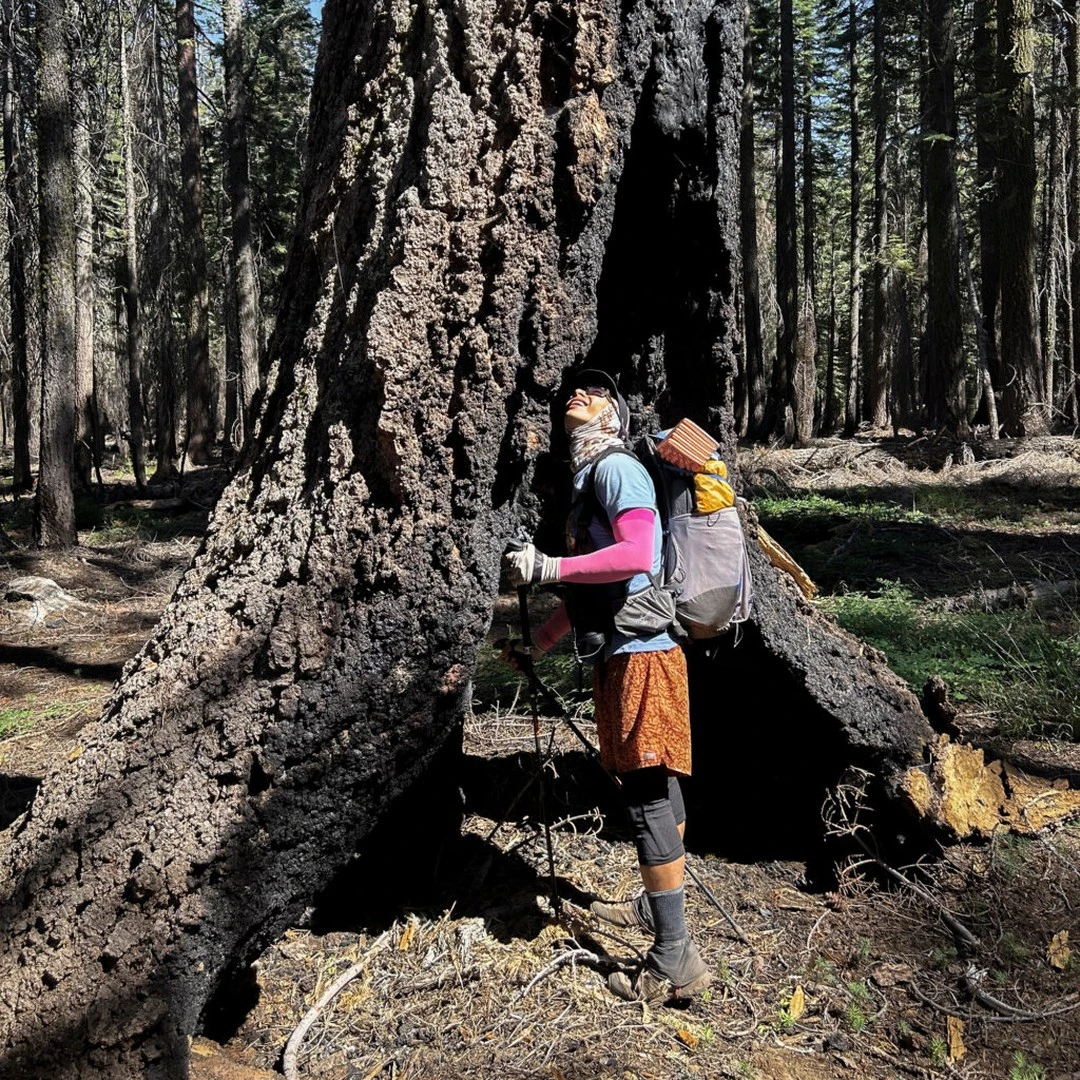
x=54 y=503
x=18 y=216
x=483 y=193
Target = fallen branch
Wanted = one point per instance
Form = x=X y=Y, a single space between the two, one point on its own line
x=972 y=976
x=960 y=931
x=292 y=1047
x=571 y=957
x=1034 y=594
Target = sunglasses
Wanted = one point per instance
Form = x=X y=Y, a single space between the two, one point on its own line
x=597 y=391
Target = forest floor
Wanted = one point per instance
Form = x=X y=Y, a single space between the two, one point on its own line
x=964 y=570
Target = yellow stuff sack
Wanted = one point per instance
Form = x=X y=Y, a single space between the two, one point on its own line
x=712 y=492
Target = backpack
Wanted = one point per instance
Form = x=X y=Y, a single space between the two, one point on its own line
x=704 y=564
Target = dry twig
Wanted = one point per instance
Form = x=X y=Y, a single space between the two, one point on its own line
x=292 y=1047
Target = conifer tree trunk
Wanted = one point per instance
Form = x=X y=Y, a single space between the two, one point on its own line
x=84 y=278
x=754 y=390
x=945 y=397
x=828 y=416
x=200 y=432
x=18 y=217
x=315 y=660
x=805 y=382
x=54 y=503
x=877 y=367
x=985 y=49
x=1072 y=172
x=132 y=300
x=244 y=281
x=1023 y=406
x=854 y=350
x=787 y=266
x=157 y=271
x=1050 y=243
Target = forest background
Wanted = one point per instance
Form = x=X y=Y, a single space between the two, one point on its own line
x=909 y=200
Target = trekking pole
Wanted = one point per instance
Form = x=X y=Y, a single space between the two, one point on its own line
x=527 y=663
x=536 y=685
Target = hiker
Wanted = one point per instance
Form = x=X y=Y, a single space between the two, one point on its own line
x=639 y=679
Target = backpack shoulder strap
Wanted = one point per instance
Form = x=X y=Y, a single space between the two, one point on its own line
x=586 y=505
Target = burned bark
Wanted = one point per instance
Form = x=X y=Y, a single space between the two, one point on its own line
x=493 y=191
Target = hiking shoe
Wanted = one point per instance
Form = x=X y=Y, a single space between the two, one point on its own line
x=684 y=974
x=625 y=913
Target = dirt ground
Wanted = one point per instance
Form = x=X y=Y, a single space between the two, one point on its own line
x=474 y=975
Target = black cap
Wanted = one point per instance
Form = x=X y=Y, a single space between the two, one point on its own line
x=583 y=377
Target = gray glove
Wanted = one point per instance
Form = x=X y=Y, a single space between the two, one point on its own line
x=528 y=566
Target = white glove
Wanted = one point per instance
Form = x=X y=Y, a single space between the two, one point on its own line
x=528 y=566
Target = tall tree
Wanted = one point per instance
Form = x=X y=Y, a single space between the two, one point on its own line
x=943 y=356
x=753 y=390
x=316 y=658
x=1072 y=172
x=854 y=350
x=877 y=370
x=54 y=503
x=1023 y=406
x=787 y=266
x=805 y=380
x=158 y=275
x=200 y=430
x=85 y=291
x=18 y=216
x=132 y=298
x=984 y=59
x=244 y=282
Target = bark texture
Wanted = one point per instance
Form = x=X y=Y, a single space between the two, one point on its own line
x=132 y=297
x=494 y=190
x=54 y=503
x=244 y=289
x=945 y=399
x=200 y=425
x=1024 y=409
x=18 y=216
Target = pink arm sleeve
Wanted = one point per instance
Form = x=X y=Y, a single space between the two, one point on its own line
x=558 y=626
x=632 y=552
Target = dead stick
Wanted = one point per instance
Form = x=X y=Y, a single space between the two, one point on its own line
x=947 y=917
x=565 y=958
x=292 y=1047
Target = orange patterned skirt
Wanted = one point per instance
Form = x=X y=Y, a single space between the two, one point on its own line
x=643 y=711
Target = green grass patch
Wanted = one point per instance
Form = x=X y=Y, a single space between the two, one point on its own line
x=1022 y=668
x=495 y=683
x=18 y=721
x=130 y=524
x=939 y=504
